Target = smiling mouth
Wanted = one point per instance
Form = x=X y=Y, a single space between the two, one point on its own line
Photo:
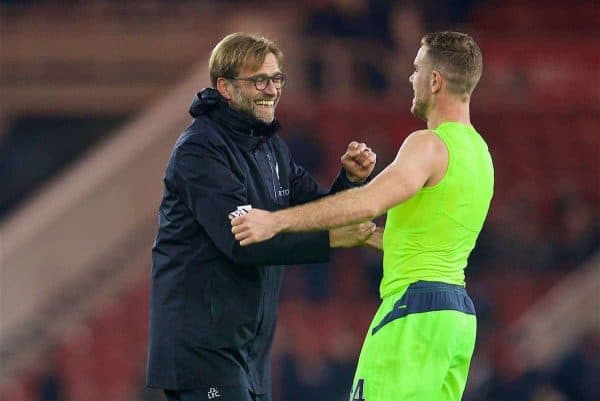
x=265 y=103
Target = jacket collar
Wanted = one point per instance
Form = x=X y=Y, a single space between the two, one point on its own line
x=245 y=130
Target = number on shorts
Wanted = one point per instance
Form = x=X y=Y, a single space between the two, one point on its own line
x=357 y=393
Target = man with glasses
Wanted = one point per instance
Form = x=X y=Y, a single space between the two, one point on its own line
x=213 y=303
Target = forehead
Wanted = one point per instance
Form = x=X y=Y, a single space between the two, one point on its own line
x=269 y=67
x=421 y=55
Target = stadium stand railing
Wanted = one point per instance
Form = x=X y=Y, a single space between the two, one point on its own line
x=558 y=319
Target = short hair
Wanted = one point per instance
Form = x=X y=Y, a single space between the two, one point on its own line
x=457 y=57
x=240 y=50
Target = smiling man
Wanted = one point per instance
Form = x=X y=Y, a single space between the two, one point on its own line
x=213 y=304
x=436 y=194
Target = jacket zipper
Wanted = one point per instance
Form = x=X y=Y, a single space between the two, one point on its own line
x=269 y=162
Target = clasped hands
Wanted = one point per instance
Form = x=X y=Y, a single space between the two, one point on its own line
x=258 y=225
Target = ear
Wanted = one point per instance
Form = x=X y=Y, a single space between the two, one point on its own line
x=436 y=81
x=224 y=88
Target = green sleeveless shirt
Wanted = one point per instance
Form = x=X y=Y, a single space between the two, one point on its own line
x=430 y=236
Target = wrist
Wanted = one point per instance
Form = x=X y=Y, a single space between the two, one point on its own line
x=354 y=179
x=281 y=222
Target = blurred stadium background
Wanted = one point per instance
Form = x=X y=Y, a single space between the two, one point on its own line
x=94 y=94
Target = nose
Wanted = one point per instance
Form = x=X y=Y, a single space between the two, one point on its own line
x=410 y=78
x=270 y=89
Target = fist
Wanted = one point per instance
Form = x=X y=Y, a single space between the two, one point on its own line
x=358 y=161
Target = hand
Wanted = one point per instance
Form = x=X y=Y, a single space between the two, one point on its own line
x=255 y=226
x=376 y=239
x=352 y=235
x=358 y=161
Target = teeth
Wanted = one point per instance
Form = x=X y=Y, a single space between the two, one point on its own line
x=268 y=103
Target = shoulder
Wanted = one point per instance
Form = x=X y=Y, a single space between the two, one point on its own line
x=201 y=134
x=425 y=140
x=201 y=130
x=198 y=146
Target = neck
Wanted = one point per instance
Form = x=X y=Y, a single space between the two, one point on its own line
x=449 y=110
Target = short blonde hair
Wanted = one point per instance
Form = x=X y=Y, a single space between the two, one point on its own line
x=458 y=59
x=240 y=50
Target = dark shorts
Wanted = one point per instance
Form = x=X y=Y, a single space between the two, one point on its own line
x=215 y=394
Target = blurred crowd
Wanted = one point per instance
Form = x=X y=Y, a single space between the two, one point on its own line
x=529 y=242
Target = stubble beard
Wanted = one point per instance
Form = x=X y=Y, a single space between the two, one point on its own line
x=419 y=108
x=245 y=104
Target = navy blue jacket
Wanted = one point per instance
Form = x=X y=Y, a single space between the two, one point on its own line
x=213 y=304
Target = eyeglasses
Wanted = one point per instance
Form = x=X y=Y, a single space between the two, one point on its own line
x=262 y=81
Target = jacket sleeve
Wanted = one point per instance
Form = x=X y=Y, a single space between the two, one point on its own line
x=210 y=189
x=304 y=188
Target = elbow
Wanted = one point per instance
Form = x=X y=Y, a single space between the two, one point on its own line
x=373 y=209
x=369 y=212
x=372 y=204
x=365 y=208
x=236 y=259
x=240 y=255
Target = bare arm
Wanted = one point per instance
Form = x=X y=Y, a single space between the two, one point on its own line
x=421 y=160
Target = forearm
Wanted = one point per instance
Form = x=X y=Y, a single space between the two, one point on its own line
x=348 y=207
x=290 y=248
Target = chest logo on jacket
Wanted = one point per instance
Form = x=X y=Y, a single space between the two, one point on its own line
x=282 y=192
